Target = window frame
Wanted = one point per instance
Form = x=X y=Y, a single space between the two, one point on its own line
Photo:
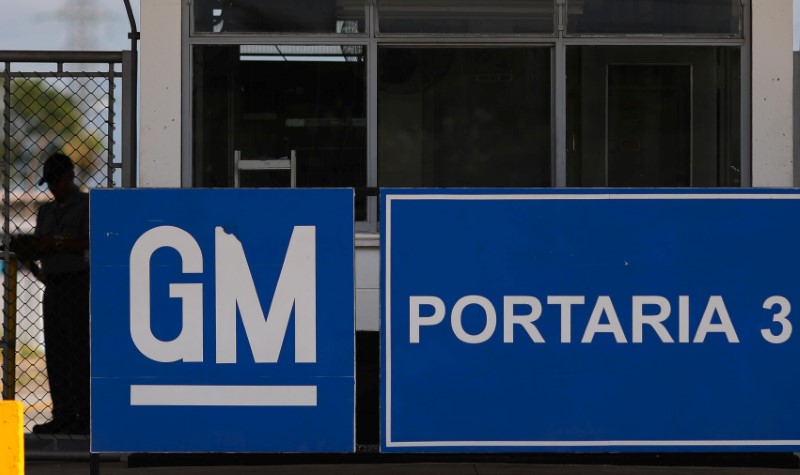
x=520 y=36
x=372 y=38
x=188 y=9
x=741 y=4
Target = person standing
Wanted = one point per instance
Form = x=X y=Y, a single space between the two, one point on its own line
x=62 y=245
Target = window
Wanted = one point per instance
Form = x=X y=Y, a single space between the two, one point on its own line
x=279 y=16
x=464 y=117
x=467 y=93
x=653 y=116
x=267 y=102
x=631 y=17
x=467 y=16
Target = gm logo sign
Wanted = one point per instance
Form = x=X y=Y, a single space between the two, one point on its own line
x=222 y=320
x=235 y=294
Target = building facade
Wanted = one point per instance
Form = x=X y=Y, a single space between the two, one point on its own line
x=464 y=93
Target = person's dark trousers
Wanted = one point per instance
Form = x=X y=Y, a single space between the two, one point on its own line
x=66 y=338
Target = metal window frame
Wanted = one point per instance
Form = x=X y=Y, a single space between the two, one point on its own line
x=189 y=4
x=742 y=9
x=371 y=39
x=486 y=36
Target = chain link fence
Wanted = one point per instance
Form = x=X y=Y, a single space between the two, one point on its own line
x=47 y=107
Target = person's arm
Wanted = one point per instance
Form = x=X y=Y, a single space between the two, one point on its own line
x=47 y=243
x=60 y=244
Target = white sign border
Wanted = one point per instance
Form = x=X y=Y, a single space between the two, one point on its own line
x=445 y=196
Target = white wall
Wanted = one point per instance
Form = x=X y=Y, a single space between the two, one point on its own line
x=772 y=93
x=160 y=94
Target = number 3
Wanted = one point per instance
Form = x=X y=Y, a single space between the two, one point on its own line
x=780 y=317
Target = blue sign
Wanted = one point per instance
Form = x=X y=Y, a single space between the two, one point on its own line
x=574 y=320
x=222 y=321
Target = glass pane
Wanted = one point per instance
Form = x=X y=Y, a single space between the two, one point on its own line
x=466 y=16
x=648 y=141
x=719 y=17
x=641 y=116
x=261 y=102
x=464 y=117
x=279 y=16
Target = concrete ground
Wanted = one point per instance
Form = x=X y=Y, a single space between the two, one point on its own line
x=118 y=468
x=68 y=455
x=391 y=464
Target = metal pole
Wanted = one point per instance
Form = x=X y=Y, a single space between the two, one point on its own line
x=10 y=390
x=129 y=59
x=134 y=34
x=747 y=97
x=61 y=57
x=559 y=116
x=130 y=75
x=110 y=164
x=293 y=169
x=8 y=365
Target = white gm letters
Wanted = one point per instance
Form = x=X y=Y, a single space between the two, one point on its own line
x=235 y=289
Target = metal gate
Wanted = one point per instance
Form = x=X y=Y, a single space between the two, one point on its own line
x=83 y=105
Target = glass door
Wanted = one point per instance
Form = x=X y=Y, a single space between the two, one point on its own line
x=648 y=125
x=653 y=116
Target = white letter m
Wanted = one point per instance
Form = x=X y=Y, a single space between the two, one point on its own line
x=296 y=288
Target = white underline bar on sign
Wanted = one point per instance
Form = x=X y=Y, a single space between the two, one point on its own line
x=193 y=395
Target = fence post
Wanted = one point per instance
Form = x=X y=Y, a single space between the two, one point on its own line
x=8 y=374
x=10 y=339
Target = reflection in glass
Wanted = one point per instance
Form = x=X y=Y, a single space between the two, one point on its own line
x=466 y=117
x=649 y=132
x=466 y=16
x=653 y=116
x=279 y=16
x=719 y=17
x=264 y=101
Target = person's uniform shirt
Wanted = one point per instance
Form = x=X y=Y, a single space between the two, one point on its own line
x=68 y=220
